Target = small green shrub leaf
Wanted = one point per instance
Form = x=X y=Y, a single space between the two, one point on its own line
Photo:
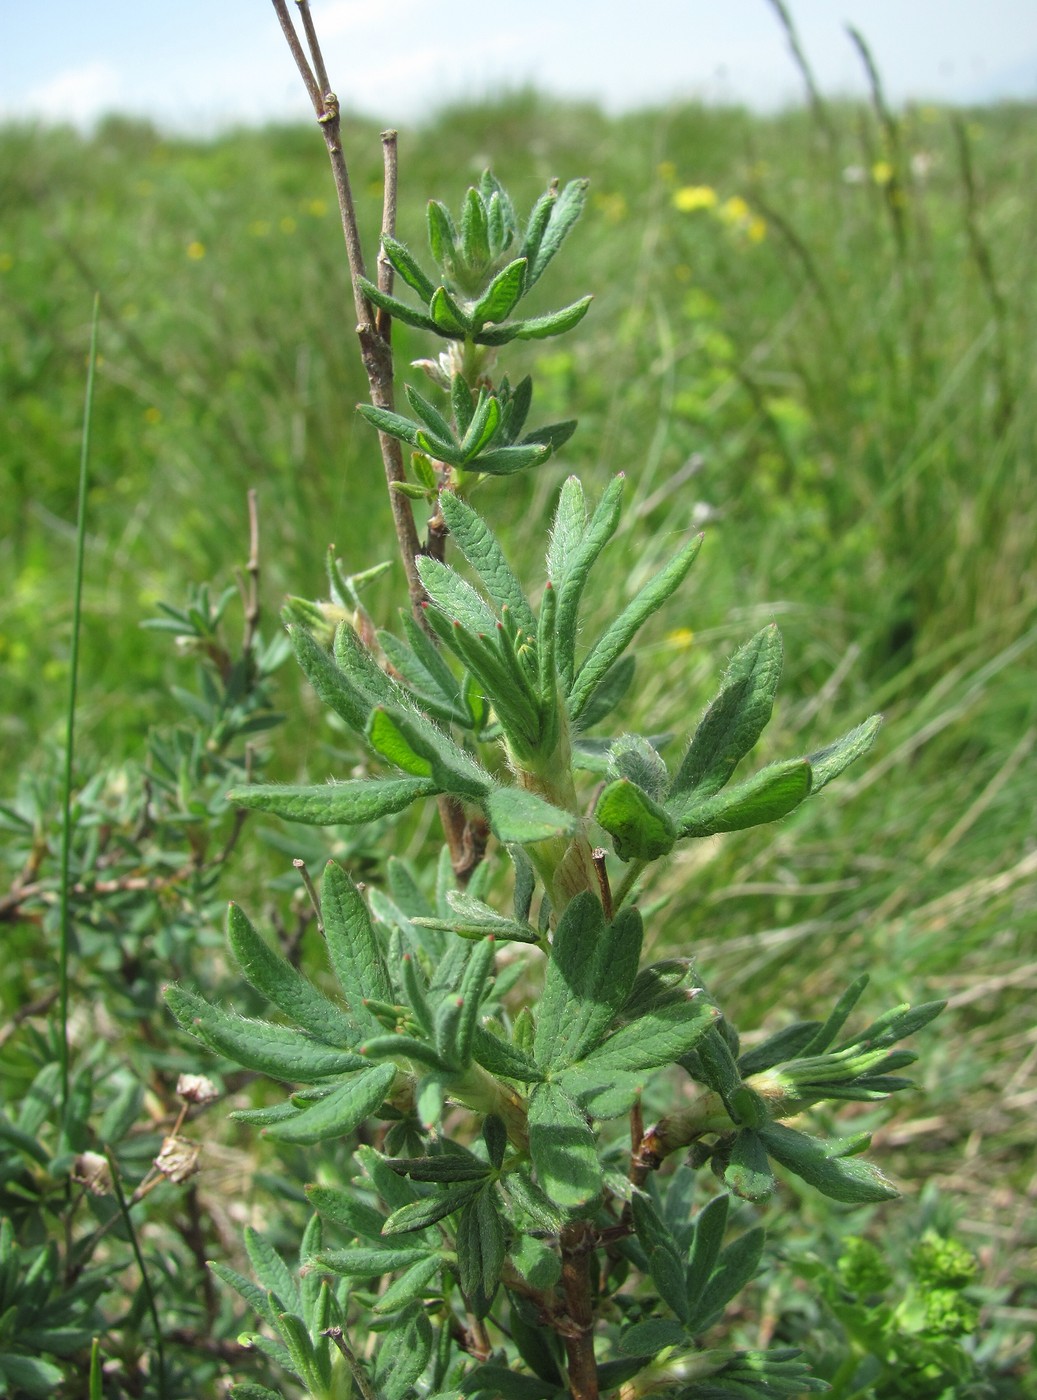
x=618 y=635
x=562 y=1147
x=285 y=986
x=343 y=1110
x=281 y=1052
x=847 y=1179
x=522 y=818
x=591 y=972
x=480 y=1252
x=734 y=720
x=352 y=803
x=765 y=797
x=639 y=827
x=828 y=763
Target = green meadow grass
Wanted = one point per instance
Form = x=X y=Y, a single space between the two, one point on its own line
x=822 y=350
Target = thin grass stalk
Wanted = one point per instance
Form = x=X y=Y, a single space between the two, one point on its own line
x=70 y=714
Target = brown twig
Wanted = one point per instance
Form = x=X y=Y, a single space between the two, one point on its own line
x=577 y=1243
x=374 y=346
x=604 y=888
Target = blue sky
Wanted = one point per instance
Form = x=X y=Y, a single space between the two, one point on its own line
x=198 y=64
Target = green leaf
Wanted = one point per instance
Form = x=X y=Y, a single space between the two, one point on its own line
x=617 y=637
x=480 y=1252
x=353 y=947
x=405 y=1352
x=505 y=461
x=563 y=1148
x=481 y=430
x=285 y=986
x=281 y=1052
x=495 y=1136
x=480 y=547
x=404 y=1047
x=446 y=1166
x=736 y=1267
x=657 y=1038
x=334 y=688
x=30 y=1375
x=828 y=763
x=271 y=1271
x=639 y=827
x=341 y=1112
x=710 y=1227
x=501 y=296
x=399 y=310
x=429 y=414
x=734 y=720
x=407 y=266
x=456 y=599
x=371 y=1263
x=522 y=818
x=851 y=1180
x=442 y=235
x=345 y=1208
x=474 y=919
x=409 y=1286
x=567 y=530
x=601 y=1095
x=388 y=422
x=426 y=1211
x=416 y=745
x=352 y=803
x=589 y=976
x=563 y=212
x=502 y=1058
x=537 y=327
x=448 y=316
x=257 y=1298
x=636 y=758
x=479 y=969
x=748 y=1172
x=651 y=1337
x=765 y=797
x=475 y=233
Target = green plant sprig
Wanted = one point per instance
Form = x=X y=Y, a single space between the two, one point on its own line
x=497 y=1235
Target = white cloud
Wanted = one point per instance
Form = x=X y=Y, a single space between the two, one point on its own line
x=77 y=95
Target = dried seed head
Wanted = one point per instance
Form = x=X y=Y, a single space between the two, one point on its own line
x=178 y=1158
x=91 y=1170
x=196 y=1088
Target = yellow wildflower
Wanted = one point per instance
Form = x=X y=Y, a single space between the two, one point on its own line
x=691 y=197
x=196 y=251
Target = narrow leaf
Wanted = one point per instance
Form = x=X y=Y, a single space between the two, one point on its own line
x=522 y=818
x=589 y=976
x=333 y=687
x=356 y=801
x=621 y=632
x=399 y=310
x=284 y=985
x=426 y=1211
x=341 y=1112
x=480 y=547
x=563 y=212
x=500 y=298
x=353 y=947
x=734 y=720
x=406 y=265
x=829 y=762
x=770 y=794
x=480 y=1252
x=658 y=1038
x=562 y=1147
x=851 y=1180
x=284 y=1054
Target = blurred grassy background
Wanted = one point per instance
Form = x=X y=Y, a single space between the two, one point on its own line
x=818 y=342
